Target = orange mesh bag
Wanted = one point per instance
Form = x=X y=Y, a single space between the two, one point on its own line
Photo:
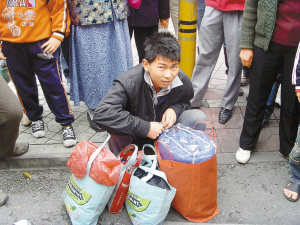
x=196 y=184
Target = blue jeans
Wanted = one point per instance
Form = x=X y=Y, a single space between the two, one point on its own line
x=200 y=13
x=295 y=160
x=189 y=118
x=271 y=101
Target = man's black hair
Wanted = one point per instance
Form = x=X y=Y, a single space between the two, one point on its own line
x=162 y=44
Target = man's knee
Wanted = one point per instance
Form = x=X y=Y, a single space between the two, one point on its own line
x=11 y=117
x=192 y=118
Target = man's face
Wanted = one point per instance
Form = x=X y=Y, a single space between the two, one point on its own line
x=162 y=71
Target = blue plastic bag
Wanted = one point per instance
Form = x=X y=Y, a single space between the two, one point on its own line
x=186 y=145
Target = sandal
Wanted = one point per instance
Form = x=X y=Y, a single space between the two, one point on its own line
x=294 y=187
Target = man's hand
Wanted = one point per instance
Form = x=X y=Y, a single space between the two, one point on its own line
x=51 y=45
x=155 y=130
x=298 y=95
x=169 y=118
x=164 y=23
x=1 y=54
x=246 y=56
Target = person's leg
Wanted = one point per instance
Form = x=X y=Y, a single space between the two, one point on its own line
x=116 y=143
x=290 y=191
x=200 y=13
x=191 y=118
x=11 y=114
x=264 y=69
x=271 y=101
x=23 y=78
x=174 y=9
x=232 y=28
x=140 y=35
x=210 y=42
x=65 y=58
x=45 y=68
x=289 y=110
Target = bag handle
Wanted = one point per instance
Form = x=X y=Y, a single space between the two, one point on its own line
x=209 y=126
x=95 y=154
x=148 y=158
x=152 y=163
x=133 y=158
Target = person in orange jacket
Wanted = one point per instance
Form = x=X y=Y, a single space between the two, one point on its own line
x=30 y=32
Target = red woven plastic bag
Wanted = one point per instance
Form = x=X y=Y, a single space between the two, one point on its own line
x=105 y=168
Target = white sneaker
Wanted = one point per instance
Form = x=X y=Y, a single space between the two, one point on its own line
x=37 y=129
x=242 y=156
x=69 y=137
x=25 y=121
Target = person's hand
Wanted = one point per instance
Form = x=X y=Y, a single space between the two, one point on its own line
x=1 y=54
x=246 y=56
x=164 y=23
x=155 y=130
x=169 y=118
x=298 y=95
x=51 y=45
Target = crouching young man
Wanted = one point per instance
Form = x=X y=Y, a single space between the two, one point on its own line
x=149 y=98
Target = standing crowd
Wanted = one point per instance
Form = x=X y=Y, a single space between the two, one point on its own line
x=135 y=104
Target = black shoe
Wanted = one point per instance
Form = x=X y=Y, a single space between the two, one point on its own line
x=241 y=92
x=224 y=115
x=93 y=125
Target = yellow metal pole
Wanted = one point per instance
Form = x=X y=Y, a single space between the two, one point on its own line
x=187 y=34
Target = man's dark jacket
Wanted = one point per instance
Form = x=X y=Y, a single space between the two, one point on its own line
x=149 y=13
x=127 y=108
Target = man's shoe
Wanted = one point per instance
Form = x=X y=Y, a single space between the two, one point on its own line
x=20 y=149
x=242 y=156
x=69 y=137
x=244 y=81
x=224 y=115
x=241 y=92
x=3 y=198
x=38 y=129
x=25 y=121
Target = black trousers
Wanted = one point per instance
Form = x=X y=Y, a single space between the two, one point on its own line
x=140 y=35
x=263 y=72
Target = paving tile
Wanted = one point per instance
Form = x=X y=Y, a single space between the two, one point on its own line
x=218 y=81
x=53 y=126
x=26 y=137
x=273 y=123
x=273 y=143
x=243 y=110
x=277 y=113
x=214 y=103
x=265 y=134
x=82 y=119
x=23 y=128
x=211 y=96
x=228 y=140
x=207 y=113
x=275 y=130
x=83 y=136
x=79 y=128
x=58 y=137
